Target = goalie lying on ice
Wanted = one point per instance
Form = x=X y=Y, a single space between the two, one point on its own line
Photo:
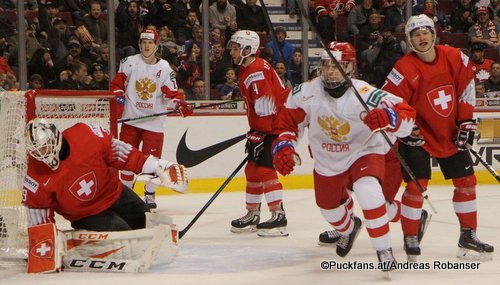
x=75 y=173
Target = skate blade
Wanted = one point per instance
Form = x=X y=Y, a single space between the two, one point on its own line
x=411 y=258
x=330 y=244
x=276 y=232
x=426 y=225
x=468 y=254
x=249 y=229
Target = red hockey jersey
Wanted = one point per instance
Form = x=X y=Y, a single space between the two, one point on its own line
x=264 y=95
x=86 y=182
x=442 y=92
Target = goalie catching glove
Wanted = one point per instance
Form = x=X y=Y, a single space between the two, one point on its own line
x=284 y=156
x=168 y=174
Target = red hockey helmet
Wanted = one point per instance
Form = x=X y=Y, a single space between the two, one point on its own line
x=345 y=54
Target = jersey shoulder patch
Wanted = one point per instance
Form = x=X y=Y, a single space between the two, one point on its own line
x=256 y=76
x=395 y=77
x=30 y=184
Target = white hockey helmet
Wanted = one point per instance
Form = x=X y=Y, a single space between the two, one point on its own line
x=246 y=39
x=149 y=34
x=420 y=22
x=43 y=142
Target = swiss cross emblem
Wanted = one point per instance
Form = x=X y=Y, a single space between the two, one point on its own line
x=84 y=187
x=43 y=249
x=442 y=100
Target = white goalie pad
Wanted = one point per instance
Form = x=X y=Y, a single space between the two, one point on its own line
x=173 y=177
x=123 y=251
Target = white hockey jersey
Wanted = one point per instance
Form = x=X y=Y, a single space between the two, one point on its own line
x=150 y=89
x=337 y=134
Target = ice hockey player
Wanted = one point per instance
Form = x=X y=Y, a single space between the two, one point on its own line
x=264 y=95
x=348 y=150
x=439 y=83
x=75 y=173
x=145 y=85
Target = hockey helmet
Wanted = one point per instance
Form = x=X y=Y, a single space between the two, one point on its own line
x=43 y=142
x=345 y=54
x=420 y=22
x=246 y=39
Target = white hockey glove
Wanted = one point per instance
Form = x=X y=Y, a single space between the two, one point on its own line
x=167 y=174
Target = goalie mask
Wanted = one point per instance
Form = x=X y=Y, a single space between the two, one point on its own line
x=43 y=142
x=420 y=22
x=248 y=42
x=333 y=81
x=148 y=43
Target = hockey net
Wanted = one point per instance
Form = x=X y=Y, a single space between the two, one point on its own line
x=64 y=109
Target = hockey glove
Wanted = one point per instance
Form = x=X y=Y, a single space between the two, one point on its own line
x=414 y=139
x=255 y=144
x=380 y=119
x=284 y=157
x=173 y=177
x=184 y=108
x=120 y=100
x=466 y=133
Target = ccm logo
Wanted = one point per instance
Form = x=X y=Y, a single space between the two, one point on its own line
x=97 y=264
x=92 y=236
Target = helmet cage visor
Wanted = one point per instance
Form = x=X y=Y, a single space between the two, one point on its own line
x=43 y=142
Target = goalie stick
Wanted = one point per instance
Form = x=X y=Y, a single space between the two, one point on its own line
x=484 y=163
x=184 y=231
x=175 y=111
x=405 y=166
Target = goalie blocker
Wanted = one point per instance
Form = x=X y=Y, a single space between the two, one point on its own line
x=51 y=250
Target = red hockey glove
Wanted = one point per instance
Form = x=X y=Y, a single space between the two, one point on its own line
x=120 y=100
x=255 y=144
x=184 y=108
x=380 y=119
x=414 y=139
x=466 y=133
x=284 y=157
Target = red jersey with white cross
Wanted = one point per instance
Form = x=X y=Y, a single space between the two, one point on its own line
x=86 y=182
x=442 y=92
x=264 y=95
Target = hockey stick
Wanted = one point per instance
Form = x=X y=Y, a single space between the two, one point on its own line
x=484 y=163
x=175 y=111
x=405 y=166
x=183 y=232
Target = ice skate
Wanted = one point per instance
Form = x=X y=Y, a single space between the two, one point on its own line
x=412 y=248
x=425 y=219
x=246 y=224
x=345 y=243
x=387 y=262
x=149 y=199
x=470 y=247
x=275 y=226
x=329 y=238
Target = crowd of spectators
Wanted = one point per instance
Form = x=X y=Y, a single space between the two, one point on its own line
x=67 y=40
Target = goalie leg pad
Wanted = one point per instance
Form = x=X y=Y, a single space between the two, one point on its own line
x=46 y=248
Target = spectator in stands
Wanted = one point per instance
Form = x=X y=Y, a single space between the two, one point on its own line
x=197 y=91
x=36 y=82
x=103 y=57
x=190 y=66
x=31 y=43
x=358 y=16
x=128 y=25
x=462 y=16
x=395 y=16
x=480 y=65
x=170 y=13
x=5 y=68
x=327 y=12
x=251 y=17
x=382 y=57
x=493 y=9
x=480 y=93
x=229 y=90
x=52 y=8
x=74 y=55
x=7 y=82
x=282 y=72
x=100 y=80
x=267 y=54
x=220 y=61
x=438 y=16
x=295 y=68
x=222 y=15
x=485 y=31
x=282 y=45
x=56 y=29
x=493 y=83
x=79 y=79
x=184 y=32
x=96 y=26
x=198 y=35
x=368 y=37
x=42 y=64
x=170 y=51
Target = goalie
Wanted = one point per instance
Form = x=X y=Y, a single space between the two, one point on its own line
x=75 y=173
